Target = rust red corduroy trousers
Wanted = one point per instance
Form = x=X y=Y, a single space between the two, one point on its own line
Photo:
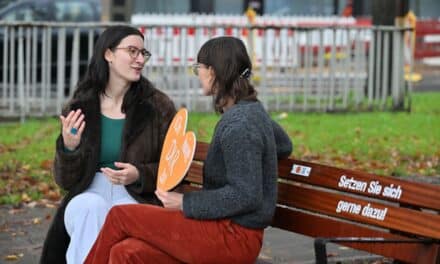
x=151 y=234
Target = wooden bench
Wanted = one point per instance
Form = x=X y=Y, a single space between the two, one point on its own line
x=386 y=216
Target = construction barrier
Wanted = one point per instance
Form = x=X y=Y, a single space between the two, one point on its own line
x=427 y=39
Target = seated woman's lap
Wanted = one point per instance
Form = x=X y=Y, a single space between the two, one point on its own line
x=84 y=204
x=135 y=251
x=185 y=239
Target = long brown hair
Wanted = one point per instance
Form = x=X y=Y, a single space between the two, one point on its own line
x=97 y=75
x=232 y=68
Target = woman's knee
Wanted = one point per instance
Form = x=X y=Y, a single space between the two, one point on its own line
x=85 y=204
x=86 y=201
x=127 y=251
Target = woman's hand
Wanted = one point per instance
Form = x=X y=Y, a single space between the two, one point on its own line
x=126 y=175
x=73 y=127
x=172 y=200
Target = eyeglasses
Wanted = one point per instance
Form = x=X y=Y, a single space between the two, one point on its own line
x=195 y=68
x=134 y=52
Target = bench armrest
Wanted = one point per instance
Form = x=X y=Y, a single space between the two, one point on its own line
x=321 y=251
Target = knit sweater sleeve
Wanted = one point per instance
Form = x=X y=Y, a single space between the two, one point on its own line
x=282 y=140
x=242 y=149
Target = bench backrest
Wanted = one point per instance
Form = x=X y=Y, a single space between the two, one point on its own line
x=324 y=201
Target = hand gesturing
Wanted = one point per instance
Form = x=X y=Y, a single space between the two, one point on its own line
x=73 y=127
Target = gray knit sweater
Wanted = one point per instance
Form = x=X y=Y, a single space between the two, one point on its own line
x=240 y=171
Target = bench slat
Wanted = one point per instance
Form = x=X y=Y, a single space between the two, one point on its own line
x=195 y=173
x=395 y=218
x=412 y=193
x=201 y=151
x=305 y=223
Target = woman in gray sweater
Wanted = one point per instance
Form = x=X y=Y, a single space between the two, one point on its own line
x=223 y=222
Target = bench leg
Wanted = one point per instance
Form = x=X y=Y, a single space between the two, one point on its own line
x=320 y=251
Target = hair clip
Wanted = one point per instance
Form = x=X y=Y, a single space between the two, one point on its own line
x=246 y=74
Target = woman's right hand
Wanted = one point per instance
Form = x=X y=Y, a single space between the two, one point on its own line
x=72 y=128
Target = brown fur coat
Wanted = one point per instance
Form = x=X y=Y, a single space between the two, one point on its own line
x=143 y=134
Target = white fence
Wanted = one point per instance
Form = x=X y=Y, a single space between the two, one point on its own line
x=281 y=46
x=240 y=20
x=296 y=68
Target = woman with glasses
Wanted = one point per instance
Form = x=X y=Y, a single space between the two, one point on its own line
x=109 y=146
x=223 y=222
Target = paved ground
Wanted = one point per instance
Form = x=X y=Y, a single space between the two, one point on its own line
x=429 y=83
x=430 y=78
x=22 y=232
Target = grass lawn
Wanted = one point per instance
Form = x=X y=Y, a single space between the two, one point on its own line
x=386 y=143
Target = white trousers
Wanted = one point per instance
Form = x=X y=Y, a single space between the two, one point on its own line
x=85 y=214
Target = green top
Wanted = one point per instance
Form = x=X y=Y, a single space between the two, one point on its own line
x=111 y=140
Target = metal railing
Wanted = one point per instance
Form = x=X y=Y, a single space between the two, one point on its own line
x=341 y=68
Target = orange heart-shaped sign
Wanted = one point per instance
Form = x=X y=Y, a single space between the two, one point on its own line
x=177 y=152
